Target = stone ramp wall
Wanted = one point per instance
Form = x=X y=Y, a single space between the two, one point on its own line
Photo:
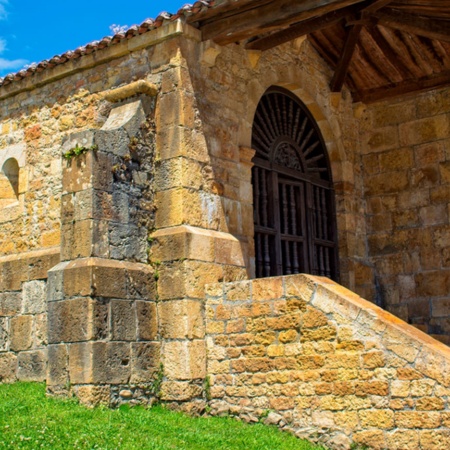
x=315 y=358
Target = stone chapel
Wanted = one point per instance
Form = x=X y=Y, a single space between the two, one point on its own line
x=243 y=206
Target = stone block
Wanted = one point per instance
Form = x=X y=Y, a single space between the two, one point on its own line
x=382 y=139
x=187 y=279
x=402 y=439
x=179 y=391
x=147 y=321
x=141 y=282
x=386 y=183
x=173 y=141
x=176 y=108
x=184 y=360
x=378 y=418
x=4 y=335
x=181 y=319
x=32 y=365
x=123 y=320
x=267 y=288
x=374 y=439
x=424 y=130
x=40 y=330
x=34 y=296
x=8 y=367
x=58 y=365
x=179 y=172
x=55 y=282
x=417 y=419
x=434 y=283
x=21 y=333
x=99 y=362
x=10 y=303
x=145 y=361
x=78 y=319
x=93 y=395
x=435 y=439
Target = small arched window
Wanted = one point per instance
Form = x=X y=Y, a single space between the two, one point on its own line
x=9 y=182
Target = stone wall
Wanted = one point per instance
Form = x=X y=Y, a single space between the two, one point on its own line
x=310 y=356
x=406 y=166
x=23 y=316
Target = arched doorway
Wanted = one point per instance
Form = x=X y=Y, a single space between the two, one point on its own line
x=293 y=197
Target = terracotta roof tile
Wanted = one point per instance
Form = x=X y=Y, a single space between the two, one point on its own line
x=187 y=10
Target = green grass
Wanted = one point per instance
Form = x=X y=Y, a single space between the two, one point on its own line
x=30 y=420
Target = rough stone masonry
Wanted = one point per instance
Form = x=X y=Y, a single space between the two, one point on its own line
x=130 y=191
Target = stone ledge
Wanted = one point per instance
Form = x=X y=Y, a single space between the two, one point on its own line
x=99 y=277
x=188 y=242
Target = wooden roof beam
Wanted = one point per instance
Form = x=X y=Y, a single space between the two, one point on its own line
x=411 y=23
x=311 y=25
x=342 y=68
x=300 y=29
x=268 y=17
x=382 y=93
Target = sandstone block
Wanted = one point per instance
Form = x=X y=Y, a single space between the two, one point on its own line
x=93 y=395
x=435 y=439
x=179 y=391
x=424 y=130
x=123 y=320
x=374 y=439
x=4 y=336
x=378 y=418
x=184 y=360
x=78 y=319
x=417 y=419
x=32 y=365
x=10 y=303
x=57 y=369
x=34 y=294
x=8 y=367
x=180 y=319
x=147 y=321
x=21 y=333
x=145 y=361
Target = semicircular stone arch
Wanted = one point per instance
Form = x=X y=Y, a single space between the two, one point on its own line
x=294 y=208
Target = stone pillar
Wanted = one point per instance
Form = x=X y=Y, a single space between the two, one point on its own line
x=102 y=323
x=191 y=245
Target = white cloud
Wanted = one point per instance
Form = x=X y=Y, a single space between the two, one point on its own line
x=3 y=12
x=117 y=28
x=11 y=64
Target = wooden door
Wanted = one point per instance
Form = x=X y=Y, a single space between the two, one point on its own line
x=293 y=198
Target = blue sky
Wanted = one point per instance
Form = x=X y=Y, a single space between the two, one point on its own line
x=33 y=30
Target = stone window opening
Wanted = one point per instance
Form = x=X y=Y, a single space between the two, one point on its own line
x=9 y=183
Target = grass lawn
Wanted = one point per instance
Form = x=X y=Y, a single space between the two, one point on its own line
x=30 y=420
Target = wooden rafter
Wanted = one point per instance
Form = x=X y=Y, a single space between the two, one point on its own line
x=342 y=68
x=267 y=18
x=422 y=26
x=395 y=90
x=305 y=27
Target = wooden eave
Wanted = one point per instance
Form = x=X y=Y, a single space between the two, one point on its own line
x=378 y=48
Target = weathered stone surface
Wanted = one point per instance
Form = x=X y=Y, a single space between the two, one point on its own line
x=79 y=319
x=181 y=319
x=34 y=295
x=32 y=365
x=145 y=361
x=57 y=370
x=20 y=333
x=8 y=367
